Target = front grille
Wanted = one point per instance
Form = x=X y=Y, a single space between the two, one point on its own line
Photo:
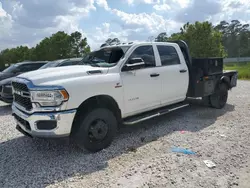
x=21 y=95
x=20 y=86
x=23 y=101
x=22 y=121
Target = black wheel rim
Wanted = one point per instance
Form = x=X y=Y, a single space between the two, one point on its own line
x=98 y=130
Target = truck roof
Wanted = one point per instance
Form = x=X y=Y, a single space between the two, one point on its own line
x=134 y=43
x=27 y=62
x=68 y=59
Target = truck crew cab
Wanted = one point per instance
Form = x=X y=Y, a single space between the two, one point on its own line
x=119 y=84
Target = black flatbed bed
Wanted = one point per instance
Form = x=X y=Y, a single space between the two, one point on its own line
x=206 y=74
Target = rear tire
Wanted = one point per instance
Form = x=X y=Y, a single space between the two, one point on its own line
x=219 y=98
x=96 y=131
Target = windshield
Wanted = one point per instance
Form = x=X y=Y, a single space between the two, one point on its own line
x=105 y=57
x=11 y=69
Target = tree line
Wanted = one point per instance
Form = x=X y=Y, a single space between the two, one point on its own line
x=207 y=40
x=58 y=46
x=227 y=39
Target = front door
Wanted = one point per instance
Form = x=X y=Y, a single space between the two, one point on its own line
x=142 y=87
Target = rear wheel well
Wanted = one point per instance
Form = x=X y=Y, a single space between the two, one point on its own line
x=99 y=101
x=226 y=80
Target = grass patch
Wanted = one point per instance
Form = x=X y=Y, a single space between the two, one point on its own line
x=242 y=68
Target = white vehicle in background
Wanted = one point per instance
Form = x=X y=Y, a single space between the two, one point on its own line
x=121 y=84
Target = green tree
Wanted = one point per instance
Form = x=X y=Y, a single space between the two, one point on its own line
x=84 y=47
x=202 y=39
x=162 y=37
x=236 y=38
x=59 y=45
x=79 y=46
x=32 y=54
x=176 y=36
x=14 y=55
x=111 y=41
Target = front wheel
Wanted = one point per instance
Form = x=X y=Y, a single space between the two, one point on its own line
x=219 y=98
x=97 y=130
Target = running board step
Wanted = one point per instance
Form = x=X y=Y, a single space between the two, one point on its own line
x=154 y=113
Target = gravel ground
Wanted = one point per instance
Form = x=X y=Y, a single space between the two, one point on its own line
x=141 y=155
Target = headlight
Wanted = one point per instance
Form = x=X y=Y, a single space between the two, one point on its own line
x=49 y=98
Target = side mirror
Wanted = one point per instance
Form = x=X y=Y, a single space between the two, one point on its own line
x=133 y=64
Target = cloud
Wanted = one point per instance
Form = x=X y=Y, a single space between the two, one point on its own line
x=162 y=7
x=179 y=3
x=23 y=22
x=32 y=26
x=29 y=21
x=215 y=11
x=103 y=33
x=152 y=23
x=232 y=10
x=5 y=26
x=2 y=12
x=132 y=2
x=103 y=3
x=199 y=11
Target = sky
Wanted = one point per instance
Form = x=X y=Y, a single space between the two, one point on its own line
x=27 y=22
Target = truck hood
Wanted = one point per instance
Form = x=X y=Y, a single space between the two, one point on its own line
x=59 y=73
x=6 y=81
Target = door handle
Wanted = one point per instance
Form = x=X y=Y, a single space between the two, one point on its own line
x=183 y=70
x=154 y=75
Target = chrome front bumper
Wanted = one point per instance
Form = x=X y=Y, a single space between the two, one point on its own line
x=64 y=121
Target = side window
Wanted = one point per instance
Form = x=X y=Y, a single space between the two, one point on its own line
x=168 y=55
x=75 y=62
x=34 y=66
x=146 y=53
x=29 y=67
x=37 y=65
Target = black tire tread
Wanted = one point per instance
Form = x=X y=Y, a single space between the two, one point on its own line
x=215 y=103
x=80 y=136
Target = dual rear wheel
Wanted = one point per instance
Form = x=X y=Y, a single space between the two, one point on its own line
x=219 y=98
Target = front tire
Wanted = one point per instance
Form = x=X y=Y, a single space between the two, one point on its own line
x=219 y=98
x=97 y=130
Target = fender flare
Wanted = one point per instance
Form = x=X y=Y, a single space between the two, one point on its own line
x=226 y=80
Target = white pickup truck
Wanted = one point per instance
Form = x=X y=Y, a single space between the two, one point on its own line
x=115 y=85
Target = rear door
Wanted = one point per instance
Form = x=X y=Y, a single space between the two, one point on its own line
x=174 y=73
